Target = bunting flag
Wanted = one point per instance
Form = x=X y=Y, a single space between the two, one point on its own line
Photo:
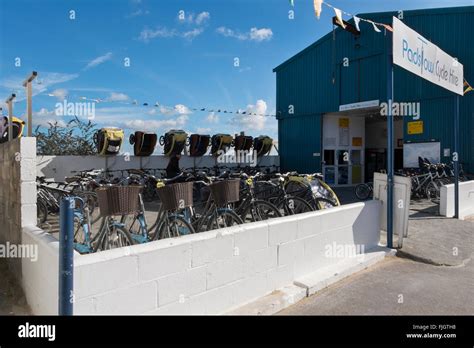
x=468 y=87
x=292 y=3
x=376 y=28
x=317 y=7
x=388 y=27
x=339 y=17
x=356 y=22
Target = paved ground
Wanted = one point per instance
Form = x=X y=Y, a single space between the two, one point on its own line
x=432 y=274
x=423 y=290
x=12 y=300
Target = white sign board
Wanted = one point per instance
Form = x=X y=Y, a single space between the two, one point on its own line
x=411 y=152
x=359 y=105
x=416 y=54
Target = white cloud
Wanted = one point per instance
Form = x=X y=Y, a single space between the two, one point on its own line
x=59 y=93
x=260 y=34
x=255 y=34
x=192 y=33
x=138 y=13
x=212 y=118
x=118 y=97
x=201 y=130
x=148 y=34
x=202 y=17
x=191 y=18
x=43 y=82
x=252 y=122
x=99 y=60
x=140 y=124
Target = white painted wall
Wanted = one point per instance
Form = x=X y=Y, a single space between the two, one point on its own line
x=17 y=192
x=58 y=167
x=205 y=273
x=466 y=200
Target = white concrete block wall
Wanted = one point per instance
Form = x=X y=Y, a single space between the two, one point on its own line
x=58 y=167
x=205 y=273
x=466 y=199
x=17 y=192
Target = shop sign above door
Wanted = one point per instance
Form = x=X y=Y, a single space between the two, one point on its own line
x=418 y=55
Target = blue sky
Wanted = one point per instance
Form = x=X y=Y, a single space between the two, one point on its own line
x=179 y=62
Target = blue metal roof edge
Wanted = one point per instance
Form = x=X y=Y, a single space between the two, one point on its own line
x=372 y=15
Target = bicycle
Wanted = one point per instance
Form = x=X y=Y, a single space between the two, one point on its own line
x=364 y=191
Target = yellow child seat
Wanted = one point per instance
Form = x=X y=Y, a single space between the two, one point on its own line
x=263 y=145
x=18 y=128
x=109 y=140
x=173 y=142
x=220 y=142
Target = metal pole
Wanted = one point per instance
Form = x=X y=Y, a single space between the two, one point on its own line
x=456 y=159
x=29 y=106
x=66 y=257
x=390 y=145
x=9 y=103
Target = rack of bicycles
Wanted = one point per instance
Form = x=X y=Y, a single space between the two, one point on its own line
x=137 y=207
x=426 y=181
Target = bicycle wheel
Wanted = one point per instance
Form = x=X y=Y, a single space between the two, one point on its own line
x=41 y=212
x=362 y=192
x=294 y=205
x=432 y=190
x=260 y=210
x=171 y=227
x=114 y=237
x=224 y=218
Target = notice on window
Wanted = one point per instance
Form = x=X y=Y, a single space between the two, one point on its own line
x=344 y=132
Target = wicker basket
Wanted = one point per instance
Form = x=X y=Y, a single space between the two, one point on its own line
x=225 y=192
x=176 y=196
x=118 y=200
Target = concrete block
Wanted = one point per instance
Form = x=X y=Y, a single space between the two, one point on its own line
x=250 y=288
x=223 y=272
x=136 y=299
x=213 y=249
x=179 y=286
x=28 y=148
x=164 y=261
x=291 y=252
x=28 y=170
x=279 y=277
x=253 y=237
x=28 y=193
x=309 y=225
x=342 y=216
x=282 y=230
x=28 y=215
x=104 y=276
x=85 y=306
x=260 y=260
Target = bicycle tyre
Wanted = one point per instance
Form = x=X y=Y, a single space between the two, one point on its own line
x=229 y=217
x=41 y=212
x=255 y=213
x=362 y=192
x=122 y=239
x=289 y=207
x=324 y=203
x=161 y=232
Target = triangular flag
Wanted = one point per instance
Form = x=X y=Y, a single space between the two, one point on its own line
x=339 y=17
x=356 y=22
x=317 y=7
x=469 y=88
x=292 y=3
x=376 y=28
x=388 y=27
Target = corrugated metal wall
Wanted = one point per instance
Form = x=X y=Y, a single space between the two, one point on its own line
x=314 y=82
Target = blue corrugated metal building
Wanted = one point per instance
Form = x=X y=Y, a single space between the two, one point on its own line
x=313 y=84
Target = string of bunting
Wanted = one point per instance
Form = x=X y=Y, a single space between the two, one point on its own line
x=317 y=4
x=171 y=108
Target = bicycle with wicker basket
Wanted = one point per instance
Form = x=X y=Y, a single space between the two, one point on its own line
x=113 y=201
x=217 y=211
x=170 y=221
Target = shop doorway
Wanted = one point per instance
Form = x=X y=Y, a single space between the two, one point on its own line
x=355 y=146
